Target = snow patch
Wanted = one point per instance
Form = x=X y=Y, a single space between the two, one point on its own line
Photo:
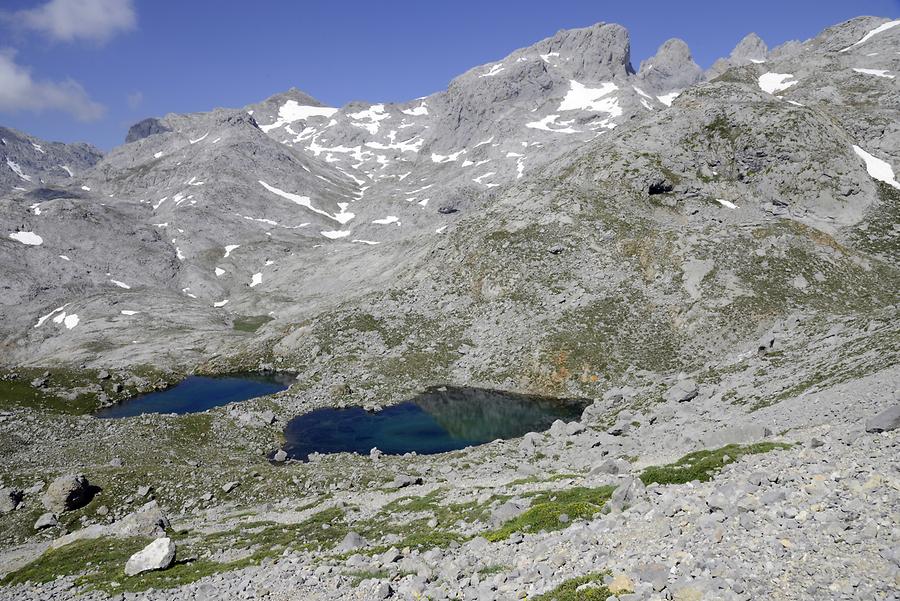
x=493 y=70
x=41 y=320
x=773 y=83
x=668 y=99
x=334 y=234
x=221 y=303
x=341 y=217
x=422 y=109
x=447 y=158
x=129 y=312
x=875 y=72
x=256 y=280
x=878 y=169
x=292 y=111
x=881 y=28
x=17 y=169
x=726 y=203
x=581 y=97
x=478 y=179
x=121 y=284
x=387 y=220
x=229 y=248
x=27 y=238
x=200 y=139
x=546 y=122
x=67 y=170
x=370 y=118
x=219 y=272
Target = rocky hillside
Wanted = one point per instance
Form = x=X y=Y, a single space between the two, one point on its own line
x=30 y=163
x=711 y=258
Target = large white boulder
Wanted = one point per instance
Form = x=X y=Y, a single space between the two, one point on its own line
x=158 y=555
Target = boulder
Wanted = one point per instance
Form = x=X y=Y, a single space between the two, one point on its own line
x=627 y=493
x=611 y=466
x=736 y=435
x=505 y=512
x=683 y=391
x=67 y=492
x=351 y=542
x=558 y=429
x=158 y=555
x=402 y=481
x=887 y=420
x=47 y=520
x=528 y=444
x=280 y=456
x=573 y=428
x=9 y=499
x=148 y=520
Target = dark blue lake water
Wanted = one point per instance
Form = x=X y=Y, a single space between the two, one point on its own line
x=436 y=421
x=199 y=393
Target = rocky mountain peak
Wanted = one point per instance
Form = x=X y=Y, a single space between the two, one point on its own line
x=671 y=68
x=750 y=49
x=145 y=128
x=602 y=49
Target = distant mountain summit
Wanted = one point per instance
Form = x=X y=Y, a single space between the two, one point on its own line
x=27 y=162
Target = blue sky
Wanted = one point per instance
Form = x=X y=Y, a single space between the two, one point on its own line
x=84 y=70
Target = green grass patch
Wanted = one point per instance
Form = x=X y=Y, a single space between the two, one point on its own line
x=703 y=465
x=547 y=507
x=568 y=590
x=492 y=569
x=357 y=576
x=250 y=323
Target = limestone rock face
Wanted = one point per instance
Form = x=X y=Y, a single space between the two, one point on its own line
x=158 y=555
x=671 y=68
x=143 y=129
x=750 y=49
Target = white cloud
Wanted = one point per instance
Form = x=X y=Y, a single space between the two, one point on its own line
x=19 y=91
x=69 y=20
x=135 y=100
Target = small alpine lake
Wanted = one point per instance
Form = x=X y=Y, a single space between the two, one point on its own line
x=438 y=420
x=199 y=393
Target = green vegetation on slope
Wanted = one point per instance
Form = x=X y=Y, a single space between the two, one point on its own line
x=703 y=465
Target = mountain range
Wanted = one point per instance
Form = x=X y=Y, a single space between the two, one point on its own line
x=707 y=260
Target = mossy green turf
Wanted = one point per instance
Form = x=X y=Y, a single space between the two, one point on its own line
x=703 y=465
x=568 y=590
x=99 y=563
x=547 y=507
x=250 y=323
x=17 y=392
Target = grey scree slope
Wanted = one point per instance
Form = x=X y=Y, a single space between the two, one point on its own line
x=711 y=256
